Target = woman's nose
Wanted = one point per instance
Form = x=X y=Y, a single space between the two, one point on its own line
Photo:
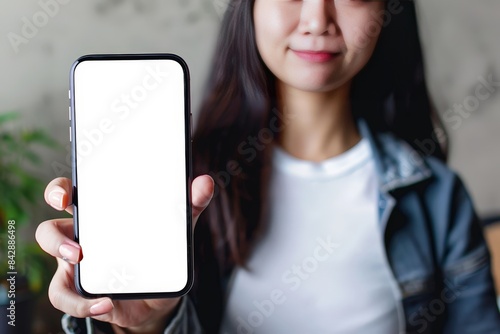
x=317 y=17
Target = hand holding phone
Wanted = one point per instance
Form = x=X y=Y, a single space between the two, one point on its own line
x=57 y=236
x=53 y=235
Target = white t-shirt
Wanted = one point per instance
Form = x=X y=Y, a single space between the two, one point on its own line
x=321 y=266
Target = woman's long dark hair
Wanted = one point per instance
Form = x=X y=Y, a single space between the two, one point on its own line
x=390 y=93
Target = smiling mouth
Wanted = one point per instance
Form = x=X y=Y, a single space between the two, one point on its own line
x=317 y=56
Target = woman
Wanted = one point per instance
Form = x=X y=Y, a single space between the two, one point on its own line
x=326 y=216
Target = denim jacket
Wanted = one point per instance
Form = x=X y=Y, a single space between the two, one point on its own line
x=433 y=240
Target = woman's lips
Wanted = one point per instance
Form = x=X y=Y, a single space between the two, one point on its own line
x=316 y=56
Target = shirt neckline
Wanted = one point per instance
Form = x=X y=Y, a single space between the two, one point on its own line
x=333 y=167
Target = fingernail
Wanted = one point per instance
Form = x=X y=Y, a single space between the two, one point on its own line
x=102 y=307
x=56 y=199
x=69 y=253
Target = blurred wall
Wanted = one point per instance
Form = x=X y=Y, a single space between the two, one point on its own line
x=41 y=39
x=462 y=50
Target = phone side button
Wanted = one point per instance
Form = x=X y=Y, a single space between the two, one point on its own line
x=69 y=113
x=191 y=126
x=70 y=134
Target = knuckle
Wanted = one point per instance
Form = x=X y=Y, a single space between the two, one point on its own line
x=57 y=298
x=46 y=236
x=81 y=310
x=41 y=230
x=37 y=232
x=54 y=294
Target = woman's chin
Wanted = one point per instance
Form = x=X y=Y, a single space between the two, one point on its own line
x=317 y=85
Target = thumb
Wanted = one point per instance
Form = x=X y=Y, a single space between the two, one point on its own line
x=202 y=191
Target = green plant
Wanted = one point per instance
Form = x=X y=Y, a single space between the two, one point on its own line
x=20 y=191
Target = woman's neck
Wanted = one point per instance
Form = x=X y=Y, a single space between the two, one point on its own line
x=319 y=125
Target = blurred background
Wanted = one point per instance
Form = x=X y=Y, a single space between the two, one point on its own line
x=40 y=39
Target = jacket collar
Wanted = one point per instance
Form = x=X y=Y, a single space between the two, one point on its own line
x=398 y=164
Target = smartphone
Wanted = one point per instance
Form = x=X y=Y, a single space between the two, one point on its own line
x=130 y=132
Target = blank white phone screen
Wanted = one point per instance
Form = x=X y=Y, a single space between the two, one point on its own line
x=131 y=175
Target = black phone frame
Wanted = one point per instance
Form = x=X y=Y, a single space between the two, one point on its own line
x=189 y=171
